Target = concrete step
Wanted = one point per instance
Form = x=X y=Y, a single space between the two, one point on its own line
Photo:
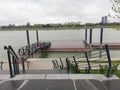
x=60 y=84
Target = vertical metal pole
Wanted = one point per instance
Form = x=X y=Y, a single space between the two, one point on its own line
x=68 y=65
x=109 y=60
x=23 y=64
x=28 y=42
x=101 y=36
x=14 y=65
x=17 y=66
x=76 y=65
x=61 y=63
x=57 y=63
x=90 y=41
x=37 y=36
x=54 y=64
x=86 y=35
x=89 y=67
x=28 y=39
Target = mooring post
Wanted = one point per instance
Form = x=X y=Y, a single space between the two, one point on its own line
x=101 y=42
x=37 y=36
x=101 y=36
x=28 y=42
x=90 y=41
x=86 y=35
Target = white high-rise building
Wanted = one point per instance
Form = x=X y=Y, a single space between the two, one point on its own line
x=104 y=20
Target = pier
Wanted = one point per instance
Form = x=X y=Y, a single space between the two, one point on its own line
x=68 y=46
x=111 y=45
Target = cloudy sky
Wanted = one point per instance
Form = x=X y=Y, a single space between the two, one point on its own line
x=53 y=11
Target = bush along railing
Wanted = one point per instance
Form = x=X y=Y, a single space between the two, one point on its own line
x=88 y=61
x=13 y=61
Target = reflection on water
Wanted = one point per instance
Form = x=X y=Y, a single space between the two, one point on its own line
x=43 y=54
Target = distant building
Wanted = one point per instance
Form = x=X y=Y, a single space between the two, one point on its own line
x=104 y=20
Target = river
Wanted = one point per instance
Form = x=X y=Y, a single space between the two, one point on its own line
x=18 y=39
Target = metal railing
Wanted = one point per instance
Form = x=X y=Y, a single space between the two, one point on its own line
x=23 y=54
x=13 y=61
x=30 y=50
x=86 y=60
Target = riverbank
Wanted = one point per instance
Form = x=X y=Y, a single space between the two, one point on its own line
x=117 y=27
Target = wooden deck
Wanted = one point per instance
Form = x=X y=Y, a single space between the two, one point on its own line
x=111 y=45
x=68 y=46
x=77 y=46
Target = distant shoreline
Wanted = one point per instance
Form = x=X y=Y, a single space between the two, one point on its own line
x=117 y=27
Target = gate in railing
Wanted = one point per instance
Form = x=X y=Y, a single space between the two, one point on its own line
x=87 y=61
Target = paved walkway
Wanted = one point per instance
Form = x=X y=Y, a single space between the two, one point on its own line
x=59 y=82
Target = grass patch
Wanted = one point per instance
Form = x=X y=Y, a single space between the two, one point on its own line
x=102 y=68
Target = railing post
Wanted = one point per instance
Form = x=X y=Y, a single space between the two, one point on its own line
x=14 y=66
x=68 y=65
x=1 y=65
x=9 y=61
x=23 y=64
x=89 y=67
x=17 y=65
x=54 y=64
x=61 y=64
x=109 y=60
x=76 y=65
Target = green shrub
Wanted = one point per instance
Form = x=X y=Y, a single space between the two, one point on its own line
x=103 y=68
x=114 y=68
x=74 y=69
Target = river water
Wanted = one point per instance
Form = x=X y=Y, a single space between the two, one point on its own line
x=18 y=39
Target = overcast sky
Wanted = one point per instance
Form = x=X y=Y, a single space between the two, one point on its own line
x=53 y=11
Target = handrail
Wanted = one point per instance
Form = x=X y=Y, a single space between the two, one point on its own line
x=109 y=60
x=88 y=62
x=13 y=61
x=13 y=52
x=33 y=48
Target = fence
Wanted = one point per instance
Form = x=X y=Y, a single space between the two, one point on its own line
x=30 y=50
x=87 y=60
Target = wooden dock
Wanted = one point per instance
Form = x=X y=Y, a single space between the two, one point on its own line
x=78 y=46
x=110 y=44
x=68 y=46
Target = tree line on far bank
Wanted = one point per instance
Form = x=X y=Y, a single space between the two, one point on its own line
x=62 y=26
